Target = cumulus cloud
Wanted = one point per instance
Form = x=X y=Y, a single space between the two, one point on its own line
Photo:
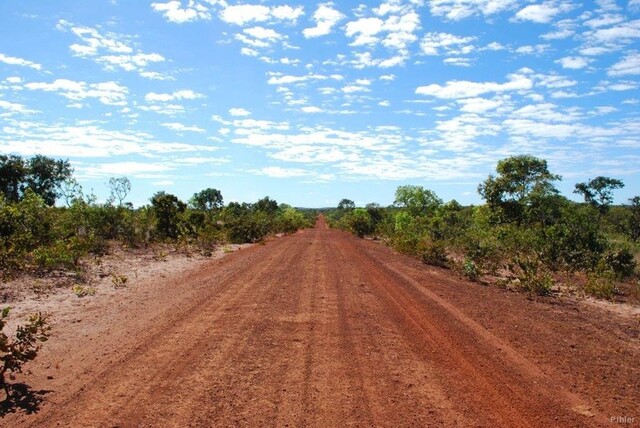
x=465 y=89
x=573 y=62
x=629 y=65
x=173 y=11
x=112 y=51
x=239 y=112
x=456 y=10
x=185 y=94
x=109 y=93
x=12 y=60
x=326 y=17
x=543 y=13
x=435 y=43
x=179 y=127
x=246 y=13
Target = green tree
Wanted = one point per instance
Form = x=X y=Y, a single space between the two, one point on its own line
x=266 y=205
x=207 y=200
x=167 y=209
x=346 y=204
x=598 y=192
x=41 y=174
x=359 y=222
x=522 y=182
x=417 y=200
x=13 y=172
x=633 y=223
x=45 y=175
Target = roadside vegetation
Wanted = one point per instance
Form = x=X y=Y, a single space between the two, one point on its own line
x=525 y=236
x=48 y=222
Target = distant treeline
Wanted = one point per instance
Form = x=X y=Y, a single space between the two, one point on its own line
x=525 y=232
x=37 y=234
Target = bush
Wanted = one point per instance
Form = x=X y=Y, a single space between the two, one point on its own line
x=620 y=262
x=435 y=254
x=470 y=269
x=601 y=285
x=16 y=351
x=531 y=276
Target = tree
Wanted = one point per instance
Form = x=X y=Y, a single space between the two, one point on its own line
x=45 y=175
x=634 y=219
x=358 y=221
x=521 y=181
x=120 y=188
x=417 y=200
x=266 y=205
x=167 y=208
x=346 y=204
x=598 y=192
x=41 y=174
x=207 y=200
x=13 y=172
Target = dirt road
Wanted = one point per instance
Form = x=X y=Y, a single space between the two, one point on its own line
x=323 y=329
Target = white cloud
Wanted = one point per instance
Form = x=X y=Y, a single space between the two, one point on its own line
x=239 y=112
x=263 y=33
x=12 y=60
x=109 y=93
x=311 y=109
x=85 y=140
x=245 y=13
x=456 y=10
x=573 y=62
x=179 y=127
x=173 y=11
x=629 y=65
x=326 y=17
x=12 y=108
x=111 y=51
x=466 y=89
x=185 y=94
x=434 y=43
x=543 y=13
x=532 y=49
x=282 y=79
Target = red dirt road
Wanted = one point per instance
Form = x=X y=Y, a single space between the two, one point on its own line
x=323 y=329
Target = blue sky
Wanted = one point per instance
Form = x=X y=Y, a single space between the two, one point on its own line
x=311 y=102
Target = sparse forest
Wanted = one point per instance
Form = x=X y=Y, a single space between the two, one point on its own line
x=525 y=236
x=48 y=222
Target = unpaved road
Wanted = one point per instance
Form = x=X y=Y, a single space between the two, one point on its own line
x=323 y=329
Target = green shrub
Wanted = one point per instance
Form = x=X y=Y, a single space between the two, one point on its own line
x=470 y=269
x=601 y=285
x=16 y=351
x=620 y=262
x=435 y=254
x=531 y=276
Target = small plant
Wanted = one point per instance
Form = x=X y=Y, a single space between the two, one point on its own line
x=119 y=280
x=435 y=254
x=619 y=261
x=531 y=277
x=82 y=291
x=601 y=284
x=16 y=351
x=160 y=255
x=227 y=249
x=470 y=269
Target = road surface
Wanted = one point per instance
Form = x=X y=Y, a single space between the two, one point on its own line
x=323 y=329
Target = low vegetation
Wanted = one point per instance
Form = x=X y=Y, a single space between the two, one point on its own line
x=524 y=235
x=48 y=223
x=22 y=347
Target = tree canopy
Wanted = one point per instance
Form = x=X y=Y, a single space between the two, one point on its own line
x=41 y=174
